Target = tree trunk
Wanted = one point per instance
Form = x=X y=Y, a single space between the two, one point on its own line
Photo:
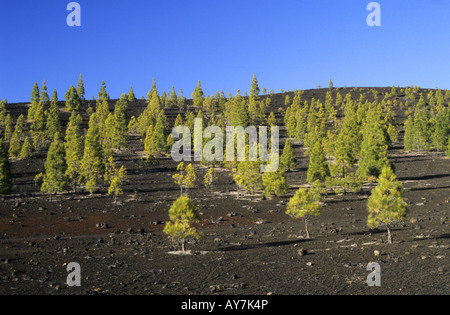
x=306 y=228
x=183 y=245
x=389 y=233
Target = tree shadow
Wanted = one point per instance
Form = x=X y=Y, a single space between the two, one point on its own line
x=426 y=177
x=263 y=245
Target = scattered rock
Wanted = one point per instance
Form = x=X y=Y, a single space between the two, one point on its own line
x=302 y=252
x=376 y=253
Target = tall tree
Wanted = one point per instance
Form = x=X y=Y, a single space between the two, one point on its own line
x=74 y=149
x=287 y=159
x=92 y=165
x=318 y=168
x=80 y=88
x=53 y=120
x=55 y=179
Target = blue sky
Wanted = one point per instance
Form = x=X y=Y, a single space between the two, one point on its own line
x=288 y=44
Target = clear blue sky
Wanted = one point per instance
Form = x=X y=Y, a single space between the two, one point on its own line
x=288 y=44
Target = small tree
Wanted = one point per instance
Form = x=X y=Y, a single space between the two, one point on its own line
x=274 y=183
x=209 y=177
x=304 y=204
x=186 y=178
x=183 y=213
x=247 y=176
x=115 y=178
x=386 y=203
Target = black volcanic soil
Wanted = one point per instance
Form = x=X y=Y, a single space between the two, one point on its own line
x=250 y=246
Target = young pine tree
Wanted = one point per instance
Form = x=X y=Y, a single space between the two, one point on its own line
x=386 y=203
x=55 y=179
x=186 y=178
x=305 y=204
x=274 y=183
x=247 y=176
x=115 y=178
x=182 y=214
x=5 y=171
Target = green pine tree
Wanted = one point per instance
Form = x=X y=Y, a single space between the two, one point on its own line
x=198 y=96
x=5 y=171
x=27 y=149
x=92 y=165
x=80 y=88
x=287 y=159
x=274 y=183
x=182 y=214
x=305 y=204
x=318 y=166
x=73 y=101
x=131 y=96
x=74 y=149
x=386 y=203
x=55 y=179
x=53 y=121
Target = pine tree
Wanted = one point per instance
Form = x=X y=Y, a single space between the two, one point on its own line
x=39 y=122
x=198 y=95
x=304 y=204
x=5 y=171
x=35 y=97
x=271 y=120
x=409 y=139
x=43 y=98
x=247 y=176
x=131 y=96
x=80 y=88
x=274 y=183
x=209 y=177
x=27 y=150
x=53 y=121
x=74 y=149
x=375 y=144
x=182 y=214
x=173 y=97
x=318 y=167
x=8 y=128
x=386 y=203
x=148 y=142
x=103 y=94
x=55 y=179
x=72 y=99
x=92 y=165
x=186 y=177
x=121 y=126
x=287 y=160
x=15 y=144
x=115 y=178
x=152 y=91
